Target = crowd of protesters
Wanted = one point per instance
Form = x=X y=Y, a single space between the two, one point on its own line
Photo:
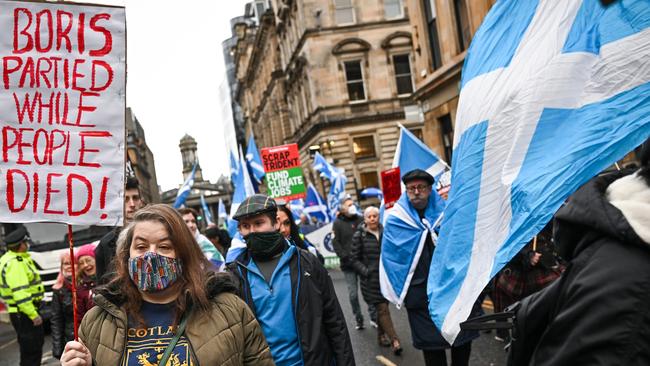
x=157 y=290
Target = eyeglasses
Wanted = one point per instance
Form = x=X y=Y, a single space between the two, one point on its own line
x=419 y=188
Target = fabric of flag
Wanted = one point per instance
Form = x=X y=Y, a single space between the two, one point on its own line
x=185 y=189
x=254 y=161
x=337 y=179
x=243 y=189
x=322 y=166
x=297 y=208
x=237 y=247
x=411 y=153
x=221 y=211
x=234 y=166
x=402 y=243
x=206 y=211
x=315 y=205
x=552 y=92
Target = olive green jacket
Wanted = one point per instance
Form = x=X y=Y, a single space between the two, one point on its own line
x=228 y=335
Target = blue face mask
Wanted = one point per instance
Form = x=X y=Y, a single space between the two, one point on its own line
x=152 y=272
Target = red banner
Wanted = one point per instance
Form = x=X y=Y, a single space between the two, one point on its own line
x=391 y=186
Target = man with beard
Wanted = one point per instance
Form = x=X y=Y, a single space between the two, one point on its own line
x=289 y=291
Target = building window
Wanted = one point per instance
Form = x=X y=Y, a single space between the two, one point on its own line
x=364 y=147
x=462 y=24
x=344 y=12
x=369 y=179
x=447 y=135
x=403 y=74
x=432 y=29
x=393 y=9
x=417 y=132
x=354 y=80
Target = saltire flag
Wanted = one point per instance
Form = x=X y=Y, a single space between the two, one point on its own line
x=221 y=210
x=243 y=188
x=322 y=166
x=552 y=92
x=249 y=170
x=234 y=166
x=185 y=189
x=337 y=179
x=315 y=205
x=411 y=153
x=404 y=237
x=206 y=211
x=254 y=161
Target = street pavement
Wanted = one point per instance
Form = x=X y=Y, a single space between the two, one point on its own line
x=486 y=351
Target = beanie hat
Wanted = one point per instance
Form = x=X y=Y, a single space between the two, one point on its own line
x=85 y=250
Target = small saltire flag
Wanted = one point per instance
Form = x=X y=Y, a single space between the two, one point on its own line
x=315 y=205
x=243 y=189
x=254 y=161
x=222 y=210
x=402 y=243
x=411 y=153
x=185 y=189
x=322 y=166
x=234 y=166
x=552 y=92
x=206 y=211
x=297 y=208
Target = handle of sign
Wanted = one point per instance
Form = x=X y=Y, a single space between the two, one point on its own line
x=75 y=320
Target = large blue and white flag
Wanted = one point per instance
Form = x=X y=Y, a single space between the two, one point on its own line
x=254 y=161
x=206 y=211
x=315 y=205
x=411 y=153
x=185 y=189
x=401 y=246
x=552 y=93
x=243 y=189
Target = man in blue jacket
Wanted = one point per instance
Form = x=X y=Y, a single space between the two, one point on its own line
x=289 y=291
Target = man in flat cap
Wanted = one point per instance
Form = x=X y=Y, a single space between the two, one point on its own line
x=21 y=290
x=289 y=291
x=424 y=210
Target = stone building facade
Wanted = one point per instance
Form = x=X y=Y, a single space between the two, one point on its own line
x=140 y=159
x=336 y=76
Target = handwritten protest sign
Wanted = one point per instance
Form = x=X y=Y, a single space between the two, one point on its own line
x=283 y=172
x=391 y=186
x=62 y=105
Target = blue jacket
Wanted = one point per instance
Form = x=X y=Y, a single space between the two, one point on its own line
x=320 y=323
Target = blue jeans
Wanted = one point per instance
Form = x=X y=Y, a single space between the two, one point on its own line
x=352 y=281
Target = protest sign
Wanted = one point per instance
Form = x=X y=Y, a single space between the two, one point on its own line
x=391 y=186
x=62 y=110
x=283 y=172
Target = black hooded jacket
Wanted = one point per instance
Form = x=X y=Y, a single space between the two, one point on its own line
x=598 y=313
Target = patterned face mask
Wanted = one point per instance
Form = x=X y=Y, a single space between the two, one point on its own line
x=152 y=272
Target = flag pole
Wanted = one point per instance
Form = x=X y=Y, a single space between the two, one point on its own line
x=75 y=320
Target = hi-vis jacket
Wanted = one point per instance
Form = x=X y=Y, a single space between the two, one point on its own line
x=20 y=283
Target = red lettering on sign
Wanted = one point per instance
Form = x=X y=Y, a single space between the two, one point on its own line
x=108 y=38
x=48 y=194
x=89 y=194
x=30 y=42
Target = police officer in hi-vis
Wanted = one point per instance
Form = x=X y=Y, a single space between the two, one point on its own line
x=21 y=290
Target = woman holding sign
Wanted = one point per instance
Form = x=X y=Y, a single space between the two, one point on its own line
x=162 y=306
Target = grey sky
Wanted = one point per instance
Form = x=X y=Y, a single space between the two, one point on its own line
x=174 y=67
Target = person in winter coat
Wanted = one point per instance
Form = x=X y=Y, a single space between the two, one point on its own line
x=289 y=291
x=86 y=278
x=62 y=322
x=343 y=228
x=598 y=312
x=163 y=307
x=291 y=232
x=364 y=257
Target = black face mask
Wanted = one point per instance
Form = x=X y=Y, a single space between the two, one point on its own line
x=264 y=246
